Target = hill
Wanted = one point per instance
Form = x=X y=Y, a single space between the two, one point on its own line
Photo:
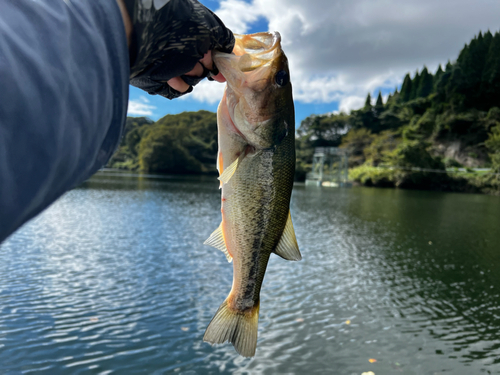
x=178 y=144
x=436 y=122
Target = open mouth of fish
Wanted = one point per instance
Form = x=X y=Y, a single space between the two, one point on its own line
x=252 y=75
x=252 y=61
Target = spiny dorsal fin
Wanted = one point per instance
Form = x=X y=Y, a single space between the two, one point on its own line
x=229 y=171
x=287 y=247
x=216 y=240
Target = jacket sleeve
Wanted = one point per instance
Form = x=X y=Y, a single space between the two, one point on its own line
x=64 y=72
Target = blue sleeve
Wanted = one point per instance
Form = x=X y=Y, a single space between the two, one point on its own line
x=64 y=73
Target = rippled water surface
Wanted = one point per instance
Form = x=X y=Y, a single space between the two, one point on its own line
x=114 y=278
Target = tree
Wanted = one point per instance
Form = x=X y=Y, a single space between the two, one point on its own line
x=448 y=67
x=426 y=84
x=493 y=146
x=355 y=141
x=490 y=85
x=439 y=73
x=323 y=130
x=379 y=105
x=414 y=86
x=368 y=101
x=405 y=94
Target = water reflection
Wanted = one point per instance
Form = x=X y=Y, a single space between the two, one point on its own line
x=114 y=278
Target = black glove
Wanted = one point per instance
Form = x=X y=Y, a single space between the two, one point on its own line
x=169 y=38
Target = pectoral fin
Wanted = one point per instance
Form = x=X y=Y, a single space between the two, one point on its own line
x=229 y=171
x=287 y=247
x=216 y=240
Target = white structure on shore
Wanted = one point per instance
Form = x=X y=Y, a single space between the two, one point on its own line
x=330 y=167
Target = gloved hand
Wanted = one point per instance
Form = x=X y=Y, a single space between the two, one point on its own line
x=169 y=38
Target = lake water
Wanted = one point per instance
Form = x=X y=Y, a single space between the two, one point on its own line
x=114 y=278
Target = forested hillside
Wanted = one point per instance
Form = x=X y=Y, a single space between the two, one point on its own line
x=436 y=122
x=180 y=144
x=446 y=119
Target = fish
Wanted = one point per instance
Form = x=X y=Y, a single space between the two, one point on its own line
x=256 y=164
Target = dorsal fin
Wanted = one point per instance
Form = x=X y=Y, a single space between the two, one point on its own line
x=287 y=247
x=216 y=240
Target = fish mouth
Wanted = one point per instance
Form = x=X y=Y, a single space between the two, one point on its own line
x=257 y=50
x=251 y=87
x=250 y=64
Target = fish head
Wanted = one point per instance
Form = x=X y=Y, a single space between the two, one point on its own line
x=258 y=92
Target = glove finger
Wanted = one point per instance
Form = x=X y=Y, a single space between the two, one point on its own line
x=193 y=81
x=158 y=88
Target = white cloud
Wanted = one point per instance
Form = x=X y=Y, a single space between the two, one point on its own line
x=347 y=104
x=140 y=107
x=206 y=91
x=237 y=15
x=340 y=50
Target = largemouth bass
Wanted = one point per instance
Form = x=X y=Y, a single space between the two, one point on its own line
x=256 y=163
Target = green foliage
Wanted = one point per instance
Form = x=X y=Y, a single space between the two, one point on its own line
x=372 y=176
x=414 y=154
x=414 y=86
x=409 y=165
x=355 y=141
x=406 y=89
x=426 y=84
x=380 y=146
x=183 y=143
x=493 y=146
x=324 y=130
x=368 y=102
x=126 y=155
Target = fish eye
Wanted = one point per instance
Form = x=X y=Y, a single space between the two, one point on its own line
x=282 y=78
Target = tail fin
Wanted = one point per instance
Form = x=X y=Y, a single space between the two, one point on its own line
x=239 y=328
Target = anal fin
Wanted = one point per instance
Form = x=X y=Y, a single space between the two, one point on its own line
x=287 y=247
x=216 y=240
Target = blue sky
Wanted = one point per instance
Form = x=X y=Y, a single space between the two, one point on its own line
x=339 y=51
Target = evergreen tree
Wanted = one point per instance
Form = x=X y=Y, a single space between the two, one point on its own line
x=426 y=84
x=462 y=56
x=454 y=88
x=405 y=94
x=471 y=61
x=414 y=86
x=379 y=105
x=448 y=67
x=368 y=101
x=437 y=76
x=490 y=87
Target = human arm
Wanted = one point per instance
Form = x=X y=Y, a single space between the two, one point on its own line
x=64 y=74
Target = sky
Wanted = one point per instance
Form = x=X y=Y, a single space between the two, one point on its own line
x=338 y=50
